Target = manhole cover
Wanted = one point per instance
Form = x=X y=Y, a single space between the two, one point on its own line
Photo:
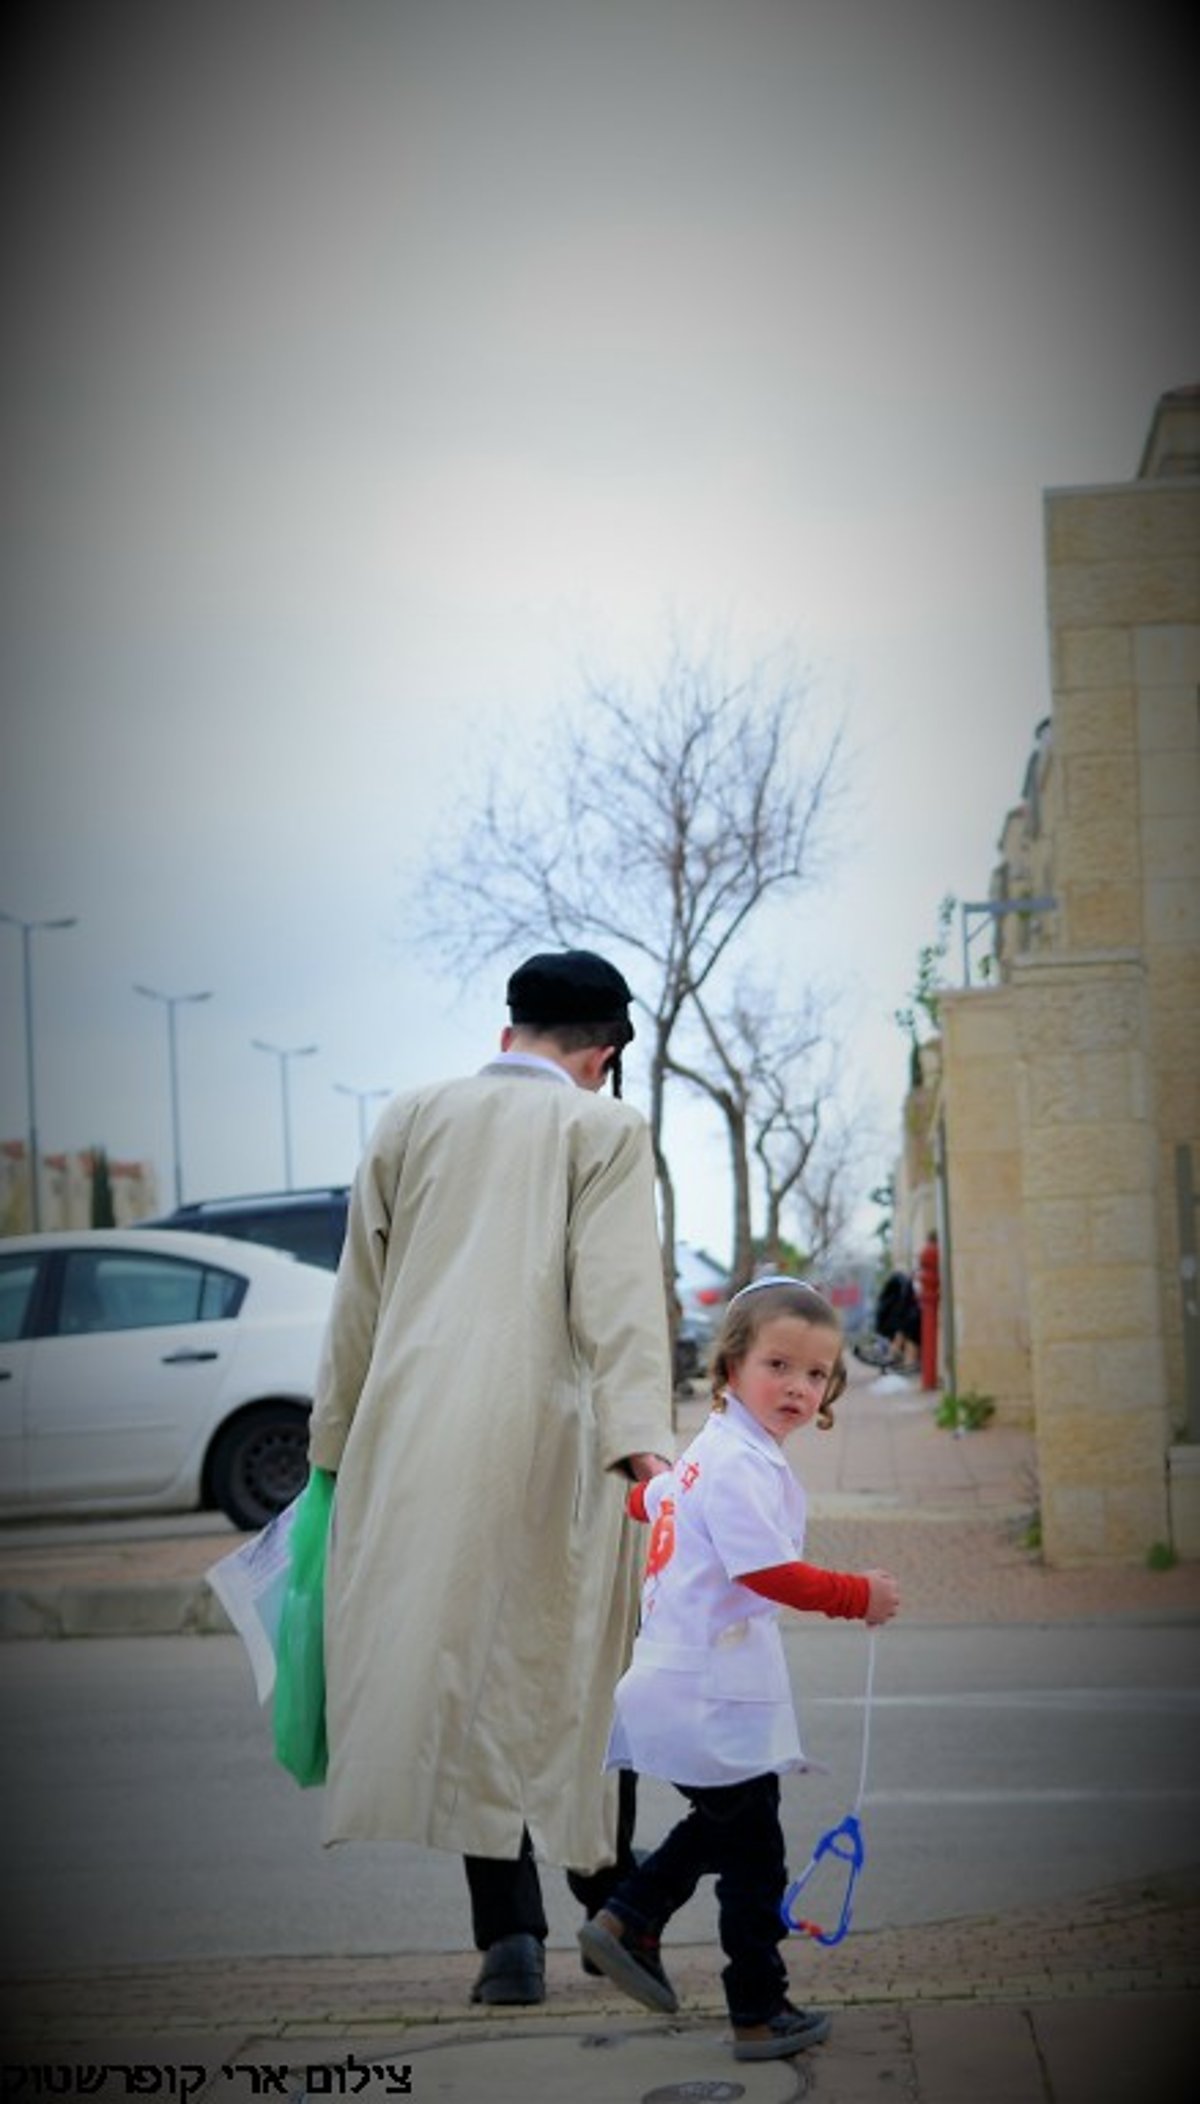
x=652 y=2064
x=692 y=2092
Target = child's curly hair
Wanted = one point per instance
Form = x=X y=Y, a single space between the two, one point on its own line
x=749 y=1312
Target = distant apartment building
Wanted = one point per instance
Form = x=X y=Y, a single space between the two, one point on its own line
x=1057 y=1138
x=65 y=1189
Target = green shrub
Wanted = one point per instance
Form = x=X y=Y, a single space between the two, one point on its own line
x=968 y=1412
x=1160 y=1556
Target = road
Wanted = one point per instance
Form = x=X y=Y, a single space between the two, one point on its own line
x=142 y=1816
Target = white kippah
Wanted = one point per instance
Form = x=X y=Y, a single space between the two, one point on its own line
x=777 y=1278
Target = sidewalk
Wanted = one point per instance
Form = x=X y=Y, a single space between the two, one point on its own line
x=1032 y=2010
x=1092 y=2002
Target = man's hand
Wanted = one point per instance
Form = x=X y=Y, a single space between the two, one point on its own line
x=642 y=1466
x=885 y=1596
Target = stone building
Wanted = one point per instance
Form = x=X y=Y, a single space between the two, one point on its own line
x=1067 y=1109
x=65 y=1189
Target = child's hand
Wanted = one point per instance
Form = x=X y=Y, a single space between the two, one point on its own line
x=885 y=1596
x=643 y=1466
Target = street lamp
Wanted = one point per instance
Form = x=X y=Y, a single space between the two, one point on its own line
x=283 y=1053
x=171 y=1002
x=27 y=928
x=364 y=1097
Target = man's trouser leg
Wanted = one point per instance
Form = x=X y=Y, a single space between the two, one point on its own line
x=592 y=1888
x=506 y=1897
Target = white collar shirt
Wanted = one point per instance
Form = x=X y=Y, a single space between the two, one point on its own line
x=706 y=1700
x=735 y=1506
x=534 y=1062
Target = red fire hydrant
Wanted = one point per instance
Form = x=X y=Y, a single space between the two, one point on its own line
x=930 y=1292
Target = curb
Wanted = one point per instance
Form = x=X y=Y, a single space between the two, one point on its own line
x=180 y=1607
x=954 y=1564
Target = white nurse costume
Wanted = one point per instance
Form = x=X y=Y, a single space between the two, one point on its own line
x=706 y=1699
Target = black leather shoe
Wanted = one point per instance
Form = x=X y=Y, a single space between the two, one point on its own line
x=513 y=1972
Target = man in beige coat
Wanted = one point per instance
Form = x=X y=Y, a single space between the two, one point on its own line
x=495 y=1369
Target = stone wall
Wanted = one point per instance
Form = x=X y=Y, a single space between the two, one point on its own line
x=1091 y=1243
x=1071 y=1080
x=984 y=1227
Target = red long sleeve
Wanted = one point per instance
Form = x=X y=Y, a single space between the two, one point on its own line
x=838 y=1593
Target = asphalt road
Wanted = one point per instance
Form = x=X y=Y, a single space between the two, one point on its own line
x=142 y=1816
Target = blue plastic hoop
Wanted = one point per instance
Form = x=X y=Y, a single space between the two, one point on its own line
x=845 y=1841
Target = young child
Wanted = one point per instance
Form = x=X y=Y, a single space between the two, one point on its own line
x=706 y=1702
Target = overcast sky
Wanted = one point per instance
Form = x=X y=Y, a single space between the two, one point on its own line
x=367 y=363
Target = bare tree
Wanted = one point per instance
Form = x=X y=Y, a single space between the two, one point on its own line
x=793 y=1099
x=821 y=1205
x=770 y=1074
x=652 y=827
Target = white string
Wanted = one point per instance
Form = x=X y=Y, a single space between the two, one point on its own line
x=798 y=1883
x=866 y=1740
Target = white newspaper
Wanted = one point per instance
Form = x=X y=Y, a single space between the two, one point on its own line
x=250 y=1584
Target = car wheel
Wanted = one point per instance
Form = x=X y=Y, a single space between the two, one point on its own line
x=260 y=1463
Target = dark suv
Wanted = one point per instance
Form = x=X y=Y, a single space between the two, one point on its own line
x=311 y=1224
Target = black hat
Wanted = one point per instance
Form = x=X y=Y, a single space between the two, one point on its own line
x=569 y=986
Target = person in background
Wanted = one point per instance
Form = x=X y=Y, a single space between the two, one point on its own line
x=495 y=1371
x=898 y=1321
x=706 y=1702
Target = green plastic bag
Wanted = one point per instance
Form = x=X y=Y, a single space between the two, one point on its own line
x=299 y=1706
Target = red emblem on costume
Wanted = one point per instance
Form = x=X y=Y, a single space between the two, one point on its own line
x=662 y=1539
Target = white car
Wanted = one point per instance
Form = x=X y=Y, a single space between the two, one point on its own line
x=702 y=1288
x=155 y=1371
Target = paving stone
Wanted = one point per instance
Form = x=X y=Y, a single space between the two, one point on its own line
x=986 y=2053
x=1120 y=2051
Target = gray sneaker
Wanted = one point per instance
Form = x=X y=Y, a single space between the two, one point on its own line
x=629 y=1960
x=788 y=2031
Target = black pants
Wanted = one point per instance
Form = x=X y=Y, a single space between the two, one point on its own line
x=734 y=1832
x=506 y=1897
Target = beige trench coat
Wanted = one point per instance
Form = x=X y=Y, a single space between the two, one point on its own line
x=497 y=1343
